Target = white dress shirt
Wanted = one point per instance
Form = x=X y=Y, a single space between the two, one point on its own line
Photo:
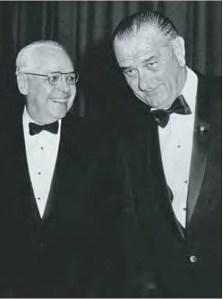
x=176 y=141
x=41 y=153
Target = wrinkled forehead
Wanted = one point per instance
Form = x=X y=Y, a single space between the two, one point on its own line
x=145 y=40
x=46 y=60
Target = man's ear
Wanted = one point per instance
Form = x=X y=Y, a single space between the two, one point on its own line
x=22 y=82
x=179 y=50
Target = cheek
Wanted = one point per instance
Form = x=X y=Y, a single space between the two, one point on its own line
x=72 y=96
x=73 y=92
x=133 y=83
x=170 y=85
x=34 y=88
x=44 y=92
x=38 y=95
x=165 y=78
x=170 y=73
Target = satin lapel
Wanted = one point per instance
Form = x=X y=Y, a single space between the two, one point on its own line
x=66 y=171
x=57 y=179
x=201 y=138
x=151 y=190
x=20 y=171
x=167 y=191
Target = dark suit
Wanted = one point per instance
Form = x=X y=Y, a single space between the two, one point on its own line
x=66 y=253
x=178 y=273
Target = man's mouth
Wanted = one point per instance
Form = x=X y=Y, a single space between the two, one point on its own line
x=59 y=100
x=152 y=91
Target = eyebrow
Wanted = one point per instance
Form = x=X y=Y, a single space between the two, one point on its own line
x=62 y=72
x=143 y=62
x=149 y=59
x=123 y=68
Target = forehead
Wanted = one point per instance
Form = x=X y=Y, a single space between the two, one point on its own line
x=48 y=59
x=144 y=42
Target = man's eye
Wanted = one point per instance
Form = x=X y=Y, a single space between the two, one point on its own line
x=129 y=72
x=54 y=78
x=151 y=63
x=71 y=79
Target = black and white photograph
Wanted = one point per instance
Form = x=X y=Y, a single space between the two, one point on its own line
x=111 y=149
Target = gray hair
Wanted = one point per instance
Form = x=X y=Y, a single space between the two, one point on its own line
x=141 y=19
x=25 y=54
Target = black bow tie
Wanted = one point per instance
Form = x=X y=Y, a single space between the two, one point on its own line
x=179 y=106
x=36 y=129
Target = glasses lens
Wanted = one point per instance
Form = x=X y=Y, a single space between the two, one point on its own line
x=71 y=78
x=54 y=78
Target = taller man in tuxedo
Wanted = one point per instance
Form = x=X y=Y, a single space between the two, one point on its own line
x=176 y=145
x=54 y=176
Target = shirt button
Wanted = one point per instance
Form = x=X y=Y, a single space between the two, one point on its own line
x=202 y=128
x=151 y=285
x=193 y=258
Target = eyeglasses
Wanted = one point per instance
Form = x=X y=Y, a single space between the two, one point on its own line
x=55 y=77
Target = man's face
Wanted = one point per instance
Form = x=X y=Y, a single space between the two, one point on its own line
x=150 y=66
x=47 y=103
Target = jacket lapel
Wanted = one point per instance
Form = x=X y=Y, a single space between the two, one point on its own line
x=147 y=178
x=62 y=164
x=59 y=165
x=21 y=180
x=167 y=191
x=200 y=148
x=68 y=175
x=22 y=177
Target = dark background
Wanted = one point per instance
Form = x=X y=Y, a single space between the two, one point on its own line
x=84 y=28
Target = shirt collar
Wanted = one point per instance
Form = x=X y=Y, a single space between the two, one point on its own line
x=190 y=89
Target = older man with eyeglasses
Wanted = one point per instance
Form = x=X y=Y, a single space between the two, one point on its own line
x=45 y=75
x=55 y=174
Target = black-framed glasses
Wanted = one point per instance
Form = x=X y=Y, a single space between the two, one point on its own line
x=55 y=77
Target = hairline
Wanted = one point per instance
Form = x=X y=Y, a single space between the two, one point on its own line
x=135 y=30
x=133 y=24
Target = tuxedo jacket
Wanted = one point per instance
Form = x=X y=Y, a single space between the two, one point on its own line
x=69 y=250
x=187 y=261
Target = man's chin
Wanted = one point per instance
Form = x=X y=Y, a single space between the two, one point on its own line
x=59 y=115
x=158 y=103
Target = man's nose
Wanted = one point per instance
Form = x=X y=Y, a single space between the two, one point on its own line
x=143 y=81
x=62 y=85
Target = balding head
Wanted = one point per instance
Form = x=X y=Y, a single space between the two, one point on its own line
x=28 y=54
